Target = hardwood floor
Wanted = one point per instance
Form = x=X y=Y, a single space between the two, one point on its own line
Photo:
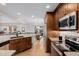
x=5 y=47
x=36 y=50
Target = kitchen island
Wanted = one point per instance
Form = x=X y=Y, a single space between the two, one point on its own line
x=20 y=43
x=4 y=39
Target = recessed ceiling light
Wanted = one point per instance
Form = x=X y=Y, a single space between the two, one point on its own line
x=18 y=13
x=4 y=4
x=48 y=6
x=32 y=16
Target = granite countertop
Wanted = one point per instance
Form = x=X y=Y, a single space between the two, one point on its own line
x=62 y=49
x=7 y=52
x=53 y=39
x=56 y=48
x=56 y=40
x=71 y=53
x=59 y=48
x=20 y=37
x=5 y=38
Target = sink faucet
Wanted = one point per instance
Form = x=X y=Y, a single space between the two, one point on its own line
x=17 y=33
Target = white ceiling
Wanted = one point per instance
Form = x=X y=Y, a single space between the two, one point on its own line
x=38 y=10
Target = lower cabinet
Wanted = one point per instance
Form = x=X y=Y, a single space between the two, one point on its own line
x=51 y=49
x=54 y=52
x=48 y=45
x=20 y=44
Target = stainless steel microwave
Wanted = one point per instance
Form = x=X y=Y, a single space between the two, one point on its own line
x=68 y=22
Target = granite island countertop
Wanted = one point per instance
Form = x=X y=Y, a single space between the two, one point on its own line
x=5 y=38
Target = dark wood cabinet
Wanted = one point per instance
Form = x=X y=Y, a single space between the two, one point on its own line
x=78 y=13
x=48 y=45
x=56 y=19
x=20 y=44
x=71 y=7
x=78 y=6
x=50 y=49
x=64 y=9
x=53 y=19
x=61 y=10
x=54 y=52
x=51 y=22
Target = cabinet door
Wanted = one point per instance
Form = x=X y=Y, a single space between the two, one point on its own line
x=78 y=16
x=55 y=23
x=49 y=21
x=65 y=8
x=18 y=45
x=56 y=15
x=29 y=42
x=61 y=11
x=12 y=45
x=53 y=52
x=71 y=7
x=78 y=6
x=22 y=44
x=57 y=20
x=48 y=45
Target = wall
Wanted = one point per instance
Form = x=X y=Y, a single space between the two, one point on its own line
x=6 y=21
x=10 y=27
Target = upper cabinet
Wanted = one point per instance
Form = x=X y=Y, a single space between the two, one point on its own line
x=78 y=16
x=50 y=20
x=71 y=7
x=56 y=19
x=61 y=10
x=78 y=6
x=65 y=8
